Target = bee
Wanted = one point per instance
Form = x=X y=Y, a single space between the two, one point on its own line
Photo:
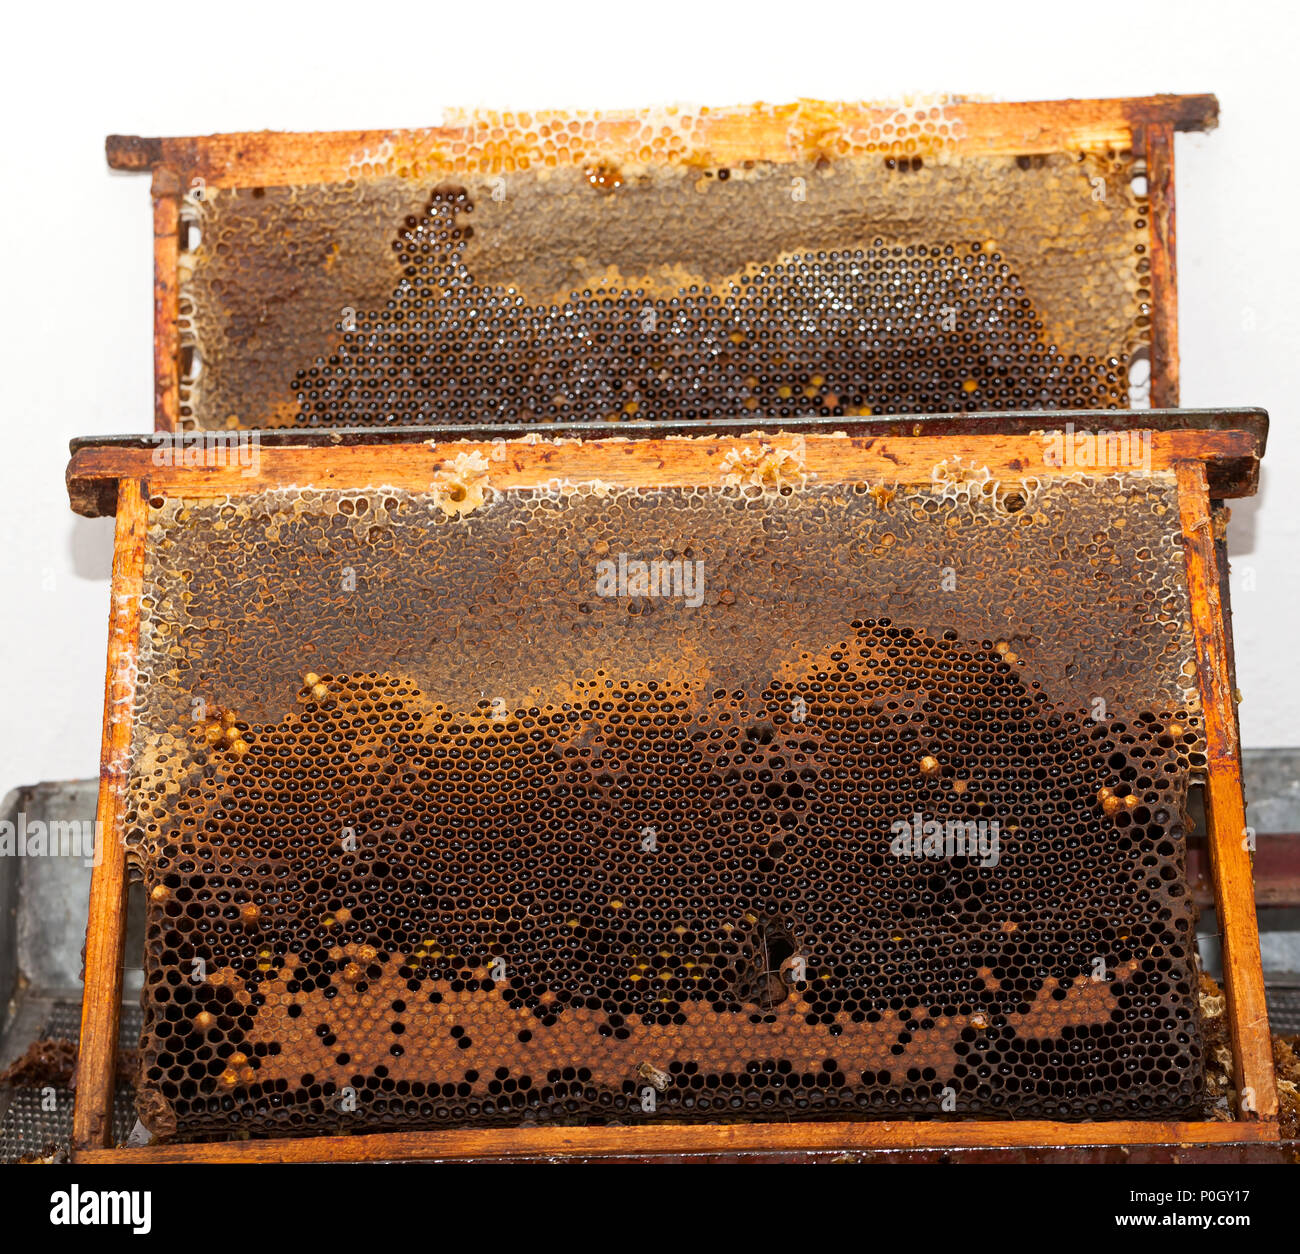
x=660 y=1079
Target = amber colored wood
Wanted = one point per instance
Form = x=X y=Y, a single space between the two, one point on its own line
x=673 y=462
x=804 y=130
x=1243 y=981
x=1163 y=275
x=166 y=299
x=504 y=1143
x=106 y=930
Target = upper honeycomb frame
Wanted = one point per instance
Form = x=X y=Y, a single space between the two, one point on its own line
x=703 y=143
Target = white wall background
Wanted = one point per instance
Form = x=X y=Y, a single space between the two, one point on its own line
x=76 y=305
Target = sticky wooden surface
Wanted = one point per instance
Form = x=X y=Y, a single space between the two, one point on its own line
x=106 y=932
x=1163 y=276
x=508 y=1143
x=630 y=462
x=798 y=131
x=1234 y=891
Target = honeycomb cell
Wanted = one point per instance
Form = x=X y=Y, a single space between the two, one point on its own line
x=897 y=329
x=441 y=828
x=575 y=281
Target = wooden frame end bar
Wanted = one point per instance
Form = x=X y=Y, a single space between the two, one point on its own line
x=1234 y=890
x=101 y=1004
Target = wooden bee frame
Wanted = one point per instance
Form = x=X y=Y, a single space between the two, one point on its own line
x=775 y=138
x=1208 y=454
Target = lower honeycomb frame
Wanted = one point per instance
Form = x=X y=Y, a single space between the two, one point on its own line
x=1003 y=462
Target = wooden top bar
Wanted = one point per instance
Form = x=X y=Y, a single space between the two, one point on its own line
x=804 y=130
x=892 y=452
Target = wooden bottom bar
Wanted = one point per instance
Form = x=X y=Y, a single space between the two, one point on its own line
x=681 y=1139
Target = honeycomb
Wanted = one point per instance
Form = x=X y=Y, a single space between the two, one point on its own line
x=446 y=819
x=544 y=274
